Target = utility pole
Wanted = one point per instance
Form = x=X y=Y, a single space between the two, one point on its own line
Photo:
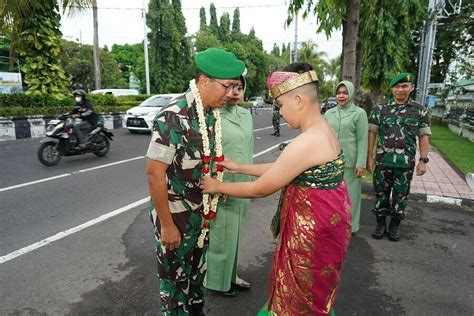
x=437 y=9
x=145 y=47
x=294 y=52
x=96 y=46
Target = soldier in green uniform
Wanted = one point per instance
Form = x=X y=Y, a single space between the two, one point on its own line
x=397 y=123
x=276 y=120
x=174 y=168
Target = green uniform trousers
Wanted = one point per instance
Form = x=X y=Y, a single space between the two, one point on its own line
x=354 y=186
x=182 y=272
x=394 y=182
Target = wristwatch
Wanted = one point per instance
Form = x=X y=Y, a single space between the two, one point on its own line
x=424 y=159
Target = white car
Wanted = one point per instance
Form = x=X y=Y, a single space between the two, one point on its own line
x=116 y=92
x=140 y=117
x=258 y=102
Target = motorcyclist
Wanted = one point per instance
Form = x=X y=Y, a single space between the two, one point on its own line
x=84 y=115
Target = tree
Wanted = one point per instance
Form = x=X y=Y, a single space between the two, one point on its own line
x=236 y=22
x=213 y=22
x=387 y=33
x=78 y=64
x=130 y=59
x=275 y=50
x=35 y=37
x=202 y=19
x=169 y=47
x=224 y=29
x=454 y=38
x=204 y=40
x=331 y=15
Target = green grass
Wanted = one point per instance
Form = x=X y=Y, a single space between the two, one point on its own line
x=459 y=150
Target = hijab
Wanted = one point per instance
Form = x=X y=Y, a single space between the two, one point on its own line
x=350 y=90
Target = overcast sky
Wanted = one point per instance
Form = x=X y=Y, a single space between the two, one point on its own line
x=120 y=22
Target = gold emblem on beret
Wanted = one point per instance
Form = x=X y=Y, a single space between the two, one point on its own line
x=293 y=83
x=408 y=78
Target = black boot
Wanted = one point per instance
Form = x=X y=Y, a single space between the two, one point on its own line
x=381 y=227
x=394 y=229
x=197 y=310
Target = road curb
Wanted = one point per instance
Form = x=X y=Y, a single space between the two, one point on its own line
x=429 y=198
x=35 y=126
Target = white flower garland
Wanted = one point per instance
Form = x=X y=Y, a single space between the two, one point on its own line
x=208 y=206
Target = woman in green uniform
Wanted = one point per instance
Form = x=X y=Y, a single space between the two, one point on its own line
x=224 y=235
x=350 y=123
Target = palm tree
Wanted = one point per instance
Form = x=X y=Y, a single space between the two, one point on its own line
x=33 y=27
x=308 y=53
x=333 y=70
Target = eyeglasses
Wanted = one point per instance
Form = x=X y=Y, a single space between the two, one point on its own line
x=228 y=88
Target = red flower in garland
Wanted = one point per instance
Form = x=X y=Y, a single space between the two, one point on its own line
x=212 y=214
x=205 y=169
x=218 y=166
x=205 y=224
x=206 y=159
x=219 y=158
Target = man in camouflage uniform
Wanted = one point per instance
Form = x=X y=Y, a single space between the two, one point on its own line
x=174 y=169
x=276 y=120
x=398 y=123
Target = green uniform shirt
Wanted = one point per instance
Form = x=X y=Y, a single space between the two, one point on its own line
x=397 y=126
x=350 y=124
x=176 y=141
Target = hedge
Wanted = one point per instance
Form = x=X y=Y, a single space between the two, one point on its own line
x=20 y=104
x=28 y=105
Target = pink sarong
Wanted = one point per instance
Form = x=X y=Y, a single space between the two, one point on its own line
x=314 y=235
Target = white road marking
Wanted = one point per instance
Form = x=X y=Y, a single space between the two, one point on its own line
x=90 y=223
x=61 y=235
x=270 y=149
x=109 y=164
x=68 y=174
x=34 y=182
x=269 y=127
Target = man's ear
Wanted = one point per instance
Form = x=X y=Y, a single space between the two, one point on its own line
x=299 y=102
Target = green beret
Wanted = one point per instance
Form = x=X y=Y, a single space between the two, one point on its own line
x=219 y=63
x=402 y=77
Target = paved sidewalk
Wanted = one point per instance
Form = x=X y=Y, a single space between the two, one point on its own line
x=440 y=180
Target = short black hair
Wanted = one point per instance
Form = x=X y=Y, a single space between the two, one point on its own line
x=298 y=67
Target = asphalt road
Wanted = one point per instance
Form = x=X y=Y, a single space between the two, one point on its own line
x=75 y=260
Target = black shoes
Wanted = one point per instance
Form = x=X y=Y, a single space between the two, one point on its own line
x=241 y=285
x=197 y=310
x=394 y=229
x=230 y=293
x=380 y=228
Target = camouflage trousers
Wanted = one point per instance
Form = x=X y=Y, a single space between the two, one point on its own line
x=182 y=272
x=395 y=183
x=276 y=122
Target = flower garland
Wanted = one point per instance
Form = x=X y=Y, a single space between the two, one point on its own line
x=209 y=205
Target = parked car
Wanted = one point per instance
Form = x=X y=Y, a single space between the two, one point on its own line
x=140 y=117
x=258 y=102
x=327 y=104
x=116 y=92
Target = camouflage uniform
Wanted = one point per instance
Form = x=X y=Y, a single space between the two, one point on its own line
x=176 y=141
x=397 y=126
x=276 y=120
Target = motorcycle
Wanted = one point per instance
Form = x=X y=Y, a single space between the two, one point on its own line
x=61 y=141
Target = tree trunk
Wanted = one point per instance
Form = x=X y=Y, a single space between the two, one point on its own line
x=96 y=47
x=341 y=68
x=350 y=40
x=359 y=57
